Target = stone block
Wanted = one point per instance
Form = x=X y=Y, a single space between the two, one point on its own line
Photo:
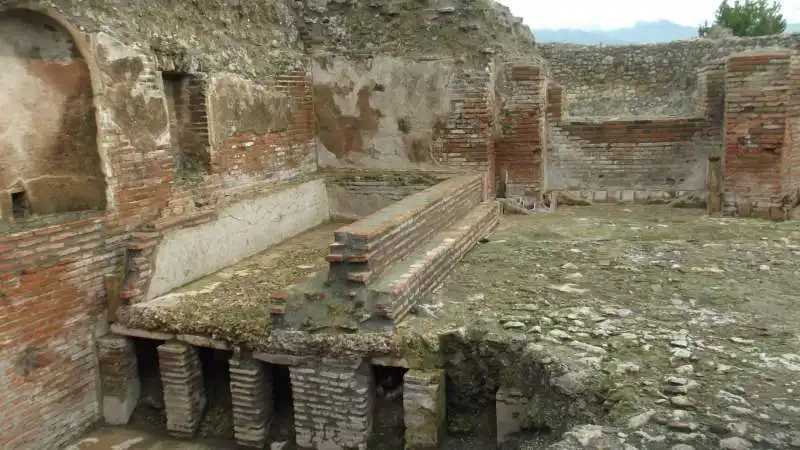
x=512 y=412
x=424 y=408
x=119 y=378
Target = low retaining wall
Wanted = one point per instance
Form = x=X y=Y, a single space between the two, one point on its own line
x=365 y=249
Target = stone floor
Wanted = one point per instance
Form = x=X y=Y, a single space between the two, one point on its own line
x=691 y=322
x=114 y=438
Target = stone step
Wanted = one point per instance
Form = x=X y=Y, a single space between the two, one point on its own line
x=401 y=287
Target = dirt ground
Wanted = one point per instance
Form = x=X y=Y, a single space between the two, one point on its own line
x=695 y=321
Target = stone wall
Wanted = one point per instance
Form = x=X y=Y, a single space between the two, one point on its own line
x=618 y=81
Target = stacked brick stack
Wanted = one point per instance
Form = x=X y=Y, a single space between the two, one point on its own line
x=184 y=392
x=365 y=249
x=119 y=378
x=251 y=395
x=332 y=406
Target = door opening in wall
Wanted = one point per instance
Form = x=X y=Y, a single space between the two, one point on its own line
x=217 y=421
x=149 y=413
x=388 y=424
x=282 y=426
x=20 y=205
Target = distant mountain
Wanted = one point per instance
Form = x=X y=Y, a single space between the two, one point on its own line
x=640 y=33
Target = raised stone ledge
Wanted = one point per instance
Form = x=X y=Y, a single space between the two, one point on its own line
x=422 y=272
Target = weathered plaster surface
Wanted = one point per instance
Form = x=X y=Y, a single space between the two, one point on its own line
x=383 y=112
x=241 y=230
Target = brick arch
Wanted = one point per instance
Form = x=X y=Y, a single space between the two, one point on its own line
x=49 y=147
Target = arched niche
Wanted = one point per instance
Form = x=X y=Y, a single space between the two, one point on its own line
x=49 y=159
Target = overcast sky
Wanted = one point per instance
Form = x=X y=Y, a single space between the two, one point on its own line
x=600 y=14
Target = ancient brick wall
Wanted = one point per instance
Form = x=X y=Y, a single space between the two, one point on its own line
x=467 y=141
x=521 y=135
x=646 y=155
x=757 y=150
x=615 y=81
x=791 y=164
x=54 y=269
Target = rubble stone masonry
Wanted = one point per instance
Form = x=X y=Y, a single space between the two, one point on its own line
x=332 y=405
x=654 y=80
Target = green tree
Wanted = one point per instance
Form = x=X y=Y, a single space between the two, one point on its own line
x=748 y=18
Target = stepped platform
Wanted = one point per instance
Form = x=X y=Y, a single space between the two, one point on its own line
x=368 y=279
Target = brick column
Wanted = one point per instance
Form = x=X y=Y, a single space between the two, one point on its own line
x=119 y=378
x=184 y=392
x=251 y=395
x=423 y=408
x=332 y=405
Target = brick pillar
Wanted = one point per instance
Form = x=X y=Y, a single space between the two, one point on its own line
x=119 y=378
x=184 y=392
x=423 y=408
x=251 y=395
x=332 y=405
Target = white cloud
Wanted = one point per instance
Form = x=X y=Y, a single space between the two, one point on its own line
x=592 y=14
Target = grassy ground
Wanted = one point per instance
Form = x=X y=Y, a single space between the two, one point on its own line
x=695 y=321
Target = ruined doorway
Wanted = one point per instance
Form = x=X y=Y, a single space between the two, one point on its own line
x=50 y=159
x=714 y=185
x=388 y=422
x=282 y=424
x=217 y=420
x=149 y=414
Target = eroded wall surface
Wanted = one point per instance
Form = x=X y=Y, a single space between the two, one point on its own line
x=667 y=155
x=381 y=112
x=48 y=146
x=623 y=81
